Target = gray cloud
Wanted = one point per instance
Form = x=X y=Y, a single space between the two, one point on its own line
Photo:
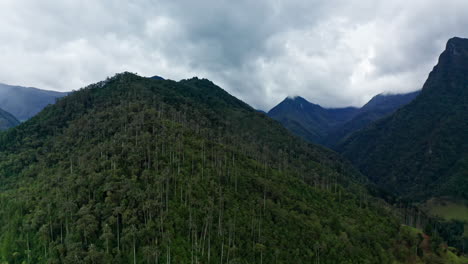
x=332 y=52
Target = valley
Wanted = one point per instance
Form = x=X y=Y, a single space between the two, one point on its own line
x=233 y=132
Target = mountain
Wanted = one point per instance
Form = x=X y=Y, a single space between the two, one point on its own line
x=25 y=102
x=385 y=103
x=7 y=120
x=156 y=77
x=137 y=170
x=378 y=107
x=310 y=121
x=329 y=126
x=421 y=151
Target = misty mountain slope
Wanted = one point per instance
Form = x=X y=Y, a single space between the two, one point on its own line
x=378 y=107
x=329 y=126
x=7 y=120
x=422 y=149
x=25 y=102
x=136 y=170
x=309 y=121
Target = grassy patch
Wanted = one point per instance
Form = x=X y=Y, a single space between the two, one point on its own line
x=448 y=209
x=451 y=257
x=412 y=230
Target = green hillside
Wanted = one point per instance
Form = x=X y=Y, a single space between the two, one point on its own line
x=136 y=170
x=421 y=151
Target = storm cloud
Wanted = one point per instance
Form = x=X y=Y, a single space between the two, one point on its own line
x=332 y=52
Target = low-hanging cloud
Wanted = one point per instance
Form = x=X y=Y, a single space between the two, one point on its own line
x=332 y=52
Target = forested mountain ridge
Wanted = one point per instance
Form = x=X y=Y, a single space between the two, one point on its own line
x=421 y=151
x=310 y=121
x=7 y=120
x=137 y=170
x=388 y=102
x=25 y=102
x=378 y=107
x=329 y=126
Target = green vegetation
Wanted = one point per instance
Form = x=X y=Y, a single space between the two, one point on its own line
x=422 y=248
x=135 y=170
x=454 y=258
x=421 y=151
x=447 y=209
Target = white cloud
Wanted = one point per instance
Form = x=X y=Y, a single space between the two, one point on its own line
x=332 y=52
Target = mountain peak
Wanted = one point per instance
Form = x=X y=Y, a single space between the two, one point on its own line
x=457 y=46
x=157 y=77
x=425 y=139
x=298 y=100
x=450 y=72
x=294 y=98
x=457 y=41
x=122 y=152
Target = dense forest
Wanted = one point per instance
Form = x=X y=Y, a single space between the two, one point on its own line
x=139 y=170
x=421 y=151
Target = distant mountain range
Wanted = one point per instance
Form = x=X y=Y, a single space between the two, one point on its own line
x=378 y=107
x=421 y=150
x=307 y=120
x=156 y=77
x=328 y=126
x=7 y=120
x=25 y=102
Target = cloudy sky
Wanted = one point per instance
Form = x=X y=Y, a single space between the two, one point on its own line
x=332 y=52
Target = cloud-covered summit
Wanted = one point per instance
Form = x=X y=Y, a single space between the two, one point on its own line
x=333 y=52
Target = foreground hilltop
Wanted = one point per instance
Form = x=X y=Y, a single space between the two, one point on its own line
x=135 y=170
